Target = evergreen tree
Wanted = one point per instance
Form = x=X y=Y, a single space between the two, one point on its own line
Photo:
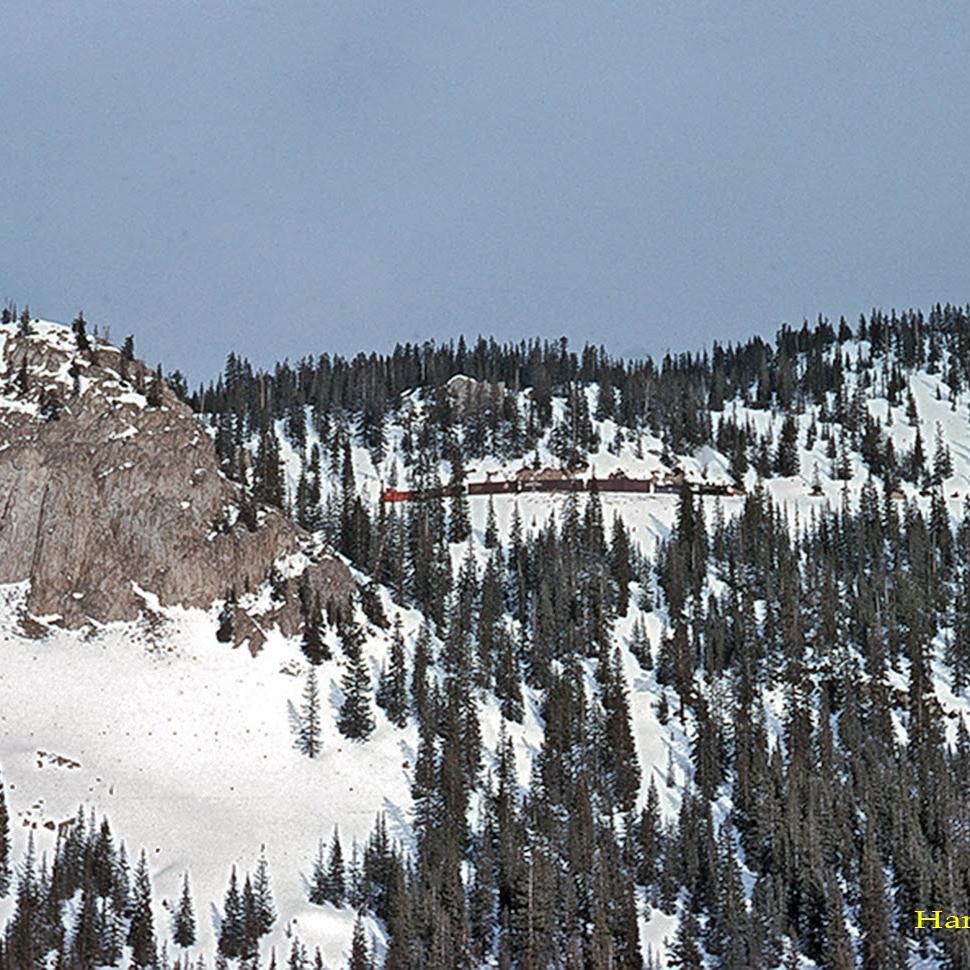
x=85 y=938
x=685 y=954
x=394 y=695
x=355 y=720
x=5 y=856
x=308 y=738
x=787 y=461
x=620 y=750
x=154 y=396
x=336 y=880
x=265 y=908
x=183 y=924
x=232 y=930
x=359 y=955
x=224 y=631
x=79 y=326
x=420 y=703
x=620 y=565
x=141 y=930
x=313 y=646
x=23 y=378
x=491 y=526
x=318 y=878
x=298 y=959
x=23 y=932
x=249 y=923
x=877 y=944
x=459 y=525
x=942 y=461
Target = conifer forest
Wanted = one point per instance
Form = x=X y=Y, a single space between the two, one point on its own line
x=488 y=655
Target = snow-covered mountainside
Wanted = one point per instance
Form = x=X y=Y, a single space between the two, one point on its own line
x=599 y=729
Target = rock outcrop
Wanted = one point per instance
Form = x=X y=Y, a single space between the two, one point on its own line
x=103 y=495
x=325 y=577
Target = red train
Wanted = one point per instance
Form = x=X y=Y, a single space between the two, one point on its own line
x=644 y=486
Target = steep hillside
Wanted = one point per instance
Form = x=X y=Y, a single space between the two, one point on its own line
x=601 y=730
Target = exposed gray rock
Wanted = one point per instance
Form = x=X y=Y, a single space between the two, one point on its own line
x=114 y=496
x=468 y=395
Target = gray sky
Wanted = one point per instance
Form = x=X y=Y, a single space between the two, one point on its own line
x=290 y=177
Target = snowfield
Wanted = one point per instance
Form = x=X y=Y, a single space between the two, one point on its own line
x=186 y=745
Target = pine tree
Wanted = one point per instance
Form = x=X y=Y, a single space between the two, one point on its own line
x=102 y=859
x=395 y=693
x=874 y=923
x=508 y=678
x=491 y=526
x=231 y=932
x=23 y=931
x=942 y=461
x=121 y=887
x=355 y=720
x=620 y=565
x=787 y=462
x=336 y=882
x=249 y=923
x=224 y=631
x=649 y=836
x=359 y=955
x=112 y=932
x=399 y=924
x=265 y=908
x=79 y=326
x=269 y=482
x=917 y=459
x=5 y=859
x=297 y=960
x=419 y=674
x=308 y=738
x=640 y=645
x=620 y=749
x=312 y=644
x=141 y=930
x=85 y=938
x=685 y=954
x=183 y=924
x=153 y=396
x=459 y=526
x=23 y=378
x=318 y=878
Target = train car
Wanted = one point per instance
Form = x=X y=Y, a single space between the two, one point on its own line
x=413 y=495
x=398 y=495
x=493 y=488
x=623 y=484
x=710 y=488
x=545 y=484
x=554 y=485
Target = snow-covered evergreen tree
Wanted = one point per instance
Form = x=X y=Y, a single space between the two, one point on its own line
x=183 y=923
x=308 y=737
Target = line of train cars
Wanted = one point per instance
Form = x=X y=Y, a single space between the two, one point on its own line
x=550 y=480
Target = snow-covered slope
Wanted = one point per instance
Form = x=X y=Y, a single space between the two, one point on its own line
x=188 y=745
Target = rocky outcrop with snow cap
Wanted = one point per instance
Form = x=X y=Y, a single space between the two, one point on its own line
x=103 y=496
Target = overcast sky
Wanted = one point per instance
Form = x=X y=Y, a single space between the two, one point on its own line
x=283 y=178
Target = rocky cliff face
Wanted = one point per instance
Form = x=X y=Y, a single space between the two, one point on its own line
x=103 y=495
